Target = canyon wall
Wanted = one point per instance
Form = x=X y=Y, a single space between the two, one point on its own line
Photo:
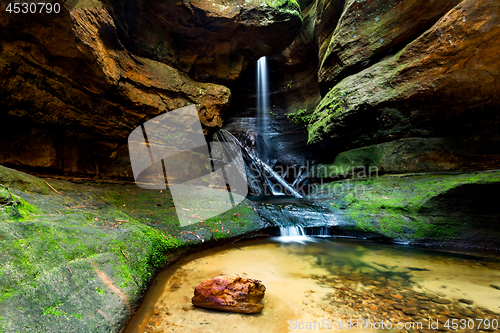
x=403 y=86
x=411 y=86
x=77 y=82
x=407 y=86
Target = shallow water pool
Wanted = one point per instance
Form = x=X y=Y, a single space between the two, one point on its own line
x=330 y=284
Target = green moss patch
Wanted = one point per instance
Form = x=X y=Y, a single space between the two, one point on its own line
x=286 y=6
x=79 y=257
x=328 y=113
x=420 y=208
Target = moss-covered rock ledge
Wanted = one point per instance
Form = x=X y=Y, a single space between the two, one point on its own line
x=441 y=209
x=77 y=257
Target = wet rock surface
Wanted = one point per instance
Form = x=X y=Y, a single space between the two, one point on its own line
x=444 y=210
x=231 y=293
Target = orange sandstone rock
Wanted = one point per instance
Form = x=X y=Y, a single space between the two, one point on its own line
x=231 y=293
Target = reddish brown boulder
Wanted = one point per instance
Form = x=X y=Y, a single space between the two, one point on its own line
x=231 y=293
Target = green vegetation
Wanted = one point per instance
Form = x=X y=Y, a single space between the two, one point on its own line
x=23 y=182
x=287 y=6
x=53 y=310
x=329 y=112
x=97 y=246
x=13 y=206
x=302 y=117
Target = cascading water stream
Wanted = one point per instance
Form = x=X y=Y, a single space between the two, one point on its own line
x=288 y=234
x=263 y=119
x=260 y=176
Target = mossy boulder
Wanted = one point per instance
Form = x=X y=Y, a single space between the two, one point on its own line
x=79 y=257
x=22 y=181
x=454 y=209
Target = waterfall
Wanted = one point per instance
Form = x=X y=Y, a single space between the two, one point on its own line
x=296 y=234
x=295 y=231
x=262 y=111
x=293 y=234
x=262 y=144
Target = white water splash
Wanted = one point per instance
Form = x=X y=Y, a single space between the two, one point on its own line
x=293 y=234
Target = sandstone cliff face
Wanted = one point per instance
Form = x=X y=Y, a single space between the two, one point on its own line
x=369 y=30
x=442 y=83
x=75 y=84
x=213 y=41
